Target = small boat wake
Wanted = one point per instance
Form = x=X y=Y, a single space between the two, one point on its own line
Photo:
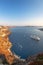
x=19 y=45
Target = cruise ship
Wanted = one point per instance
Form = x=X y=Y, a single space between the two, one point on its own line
x=34 y=37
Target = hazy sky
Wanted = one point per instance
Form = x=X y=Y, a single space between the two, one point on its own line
x=21 y=12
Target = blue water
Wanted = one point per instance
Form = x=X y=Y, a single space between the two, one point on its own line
x=23 y=45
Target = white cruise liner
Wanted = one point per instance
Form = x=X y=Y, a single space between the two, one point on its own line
x=35 y=37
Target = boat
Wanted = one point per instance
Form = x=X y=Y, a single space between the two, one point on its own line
x=35 y=37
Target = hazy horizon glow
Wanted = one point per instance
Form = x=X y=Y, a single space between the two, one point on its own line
x=21 y=12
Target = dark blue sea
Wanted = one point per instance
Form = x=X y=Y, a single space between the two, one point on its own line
x=23 y=45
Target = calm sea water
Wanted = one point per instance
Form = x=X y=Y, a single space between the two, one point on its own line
x=23 y=45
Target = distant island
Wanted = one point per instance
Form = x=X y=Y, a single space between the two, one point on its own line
x=11 y=26
x=41 y=29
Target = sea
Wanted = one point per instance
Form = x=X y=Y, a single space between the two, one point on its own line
x=22 y=44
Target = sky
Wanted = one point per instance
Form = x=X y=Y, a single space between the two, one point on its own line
x=21 y=12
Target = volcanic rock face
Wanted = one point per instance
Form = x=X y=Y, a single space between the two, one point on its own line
x=5 y=45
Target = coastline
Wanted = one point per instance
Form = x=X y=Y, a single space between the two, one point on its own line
x=31 y=60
